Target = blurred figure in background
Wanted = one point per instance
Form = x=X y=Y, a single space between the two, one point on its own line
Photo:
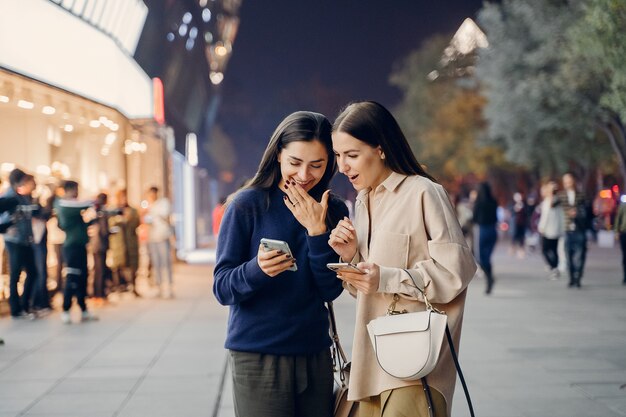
x=551 y=226
x=125 y=243
x=18 y=240
x=577 y=221
x=56 y=236
x=218 y=213
x=41 y=296
x=620 y=230
x=70 y=215
x=485 y=216
x=520 y=225
x=99 y=246
x=160 y=232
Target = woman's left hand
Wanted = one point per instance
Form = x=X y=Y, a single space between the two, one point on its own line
x=310 y=213
x=368 y=282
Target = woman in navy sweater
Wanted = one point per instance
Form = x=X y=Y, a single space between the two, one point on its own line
x=278 y=324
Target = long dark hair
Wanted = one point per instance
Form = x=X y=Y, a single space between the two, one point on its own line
x=301 y=126
x=372 y=123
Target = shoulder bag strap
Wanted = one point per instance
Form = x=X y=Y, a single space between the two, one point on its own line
x=454 y=357
x=340 y=360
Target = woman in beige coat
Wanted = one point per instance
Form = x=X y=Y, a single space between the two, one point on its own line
x=403 y=220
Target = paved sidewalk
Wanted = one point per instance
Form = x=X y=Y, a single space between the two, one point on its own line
x=534 y=348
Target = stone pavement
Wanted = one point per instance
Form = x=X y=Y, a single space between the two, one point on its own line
x=534 y=348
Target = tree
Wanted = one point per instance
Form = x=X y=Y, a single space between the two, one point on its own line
x=595 y=56
x=543 y=105
x=441 y=113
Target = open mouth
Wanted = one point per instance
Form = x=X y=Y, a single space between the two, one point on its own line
x=353 y=178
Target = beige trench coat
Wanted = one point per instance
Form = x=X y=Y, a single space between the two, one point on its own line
x=413 y=226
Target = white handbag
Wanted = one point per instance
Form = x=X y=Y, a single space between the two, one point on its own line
x=407 y=345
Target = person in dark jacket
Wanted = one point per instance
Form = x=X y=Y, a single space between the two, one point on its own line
x=69 y=212
x=485 y=216
x=18 y=240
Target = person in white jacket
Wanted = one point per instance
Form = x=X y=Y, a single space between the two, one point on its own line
x=158 y=217
x=551 y=226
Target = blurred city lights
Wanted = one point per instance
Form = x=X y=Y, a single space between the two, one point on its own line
x=216 y=77
x=206 y=15
x=25 y=104
x=48 y=110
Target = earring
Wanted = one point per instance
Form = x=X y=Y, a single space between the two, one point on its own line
x=382 y=156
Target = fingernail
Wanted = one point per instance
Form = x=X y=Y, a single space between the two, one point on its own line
x=286 y=186
x=288 y=256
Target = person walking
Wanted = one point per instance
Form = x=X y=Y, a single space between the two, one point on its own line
x=486 y=217
x=577 y=219
x=159 y=235
x=69 y=214
x=407 y=240
x=278 y=334
x=551 y=227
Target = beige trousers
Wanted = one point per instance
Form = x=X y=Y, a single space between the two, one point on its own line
x=403 y=402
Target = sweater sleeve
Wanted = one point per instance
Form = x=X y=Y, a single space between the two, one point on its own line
x=320 y=254
x=449 y=266
x=236 y=276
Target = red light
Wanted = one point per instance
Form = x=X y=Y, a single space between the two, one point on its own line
x=615 y=189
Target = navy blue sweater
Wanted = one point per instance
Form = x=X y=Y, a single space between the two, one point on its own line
x=283 y=315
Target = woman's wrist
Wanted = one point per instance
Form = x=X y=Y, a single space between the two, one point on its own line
x=316 y=230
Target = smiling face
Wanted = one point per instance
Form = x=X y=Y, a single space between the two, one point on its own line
x=361 y=163
x=303 y=162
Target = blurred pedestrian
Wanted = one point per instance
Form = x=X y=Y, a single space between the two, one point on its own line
x=99 y=243
x=551 y=227
x=56 y=237
x=159 y=235
x=520 y=225
x=577 y=220
x=464 y=212
x=408 y=242
x=18 y=240
x=41 y=295
x=218 y=213
x=485 y=216
x=620 y=230
x=278 y=327
x=69 y=212
x=127 y=240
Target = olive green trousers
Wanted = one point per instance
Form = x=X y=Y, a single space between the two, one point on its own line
x=282 y=386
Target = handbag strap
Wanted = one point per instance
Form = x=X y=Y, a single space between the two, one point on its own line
x=340 y=360
x=429 y=397
x=452 y=351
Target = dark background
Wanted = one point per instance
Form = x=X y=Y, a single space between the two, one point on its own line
x=319 y=55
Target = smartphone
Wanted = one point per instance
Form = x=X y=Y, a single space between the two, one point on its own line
x=281 y=245
x=344 y=266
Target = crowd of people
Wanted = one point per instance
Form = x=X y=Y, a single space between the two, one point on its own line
x=95 y=244
x=559 y=224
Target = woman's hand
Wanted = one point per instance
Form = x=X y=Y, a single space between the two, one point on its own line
x=308 y=212
x=343 y=240
x=368 y=282
x=273 y=262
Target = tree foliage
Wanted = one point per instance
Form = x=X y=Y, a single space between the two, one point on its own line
x=441 y=115
x=546 y=74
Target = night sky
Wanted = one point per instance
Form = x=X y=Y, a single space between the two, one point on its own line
x=318 y=55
